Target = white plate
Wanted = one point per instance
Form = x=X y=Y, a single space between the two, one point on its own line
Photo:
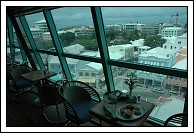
x=133 y=117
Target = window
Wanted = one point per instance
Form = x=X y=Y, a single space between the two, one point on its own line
x=76 y=36
x=93 y=74
x=40 y=31
x=86 y=74
x=80 y=74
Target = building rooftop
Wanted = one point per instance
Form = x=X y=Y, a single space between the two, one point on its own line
x=75 y=49
x=165 y=109
x=90 y=53
x=158 y=52
x=35 y=29
x=139 y=42
x=123 y=46
x=182 y=64
x=144 y=47
x=41 y=21
x=172 y=28
x=94 y=65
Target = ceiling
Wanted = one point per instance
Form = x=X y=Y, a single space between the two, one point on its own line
x=23 y=10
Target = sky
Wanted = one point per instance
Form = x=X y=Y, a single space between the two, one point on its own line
x=69 y=16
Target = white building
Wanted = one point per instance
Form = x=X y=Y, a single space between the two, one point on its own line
x=41 y=25
x=125 y=49
x=172 y=31
x=36 y=33
x=117 y=27
x=182 y=64
x=143 y=49
x=47 y=36
x=74 y=49
x=90 y=73
x=133 y=26
x=175 y=43
x=137 y=43
x=158 y=56
x=81 y=31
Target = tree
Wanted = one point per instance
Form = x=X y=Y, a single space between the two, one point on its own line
x=87 y=42
x=126 y=35
x=67 y=38
x=111 y=33
x=154 y=41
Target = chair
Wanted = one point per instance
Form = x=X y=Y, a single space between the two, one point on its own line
x=20 y=85
x=48 y=94
x=179 y=119
x=78 y=99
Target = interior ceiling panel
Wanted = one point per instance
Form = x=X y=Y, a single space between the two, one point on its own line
x=23 y=10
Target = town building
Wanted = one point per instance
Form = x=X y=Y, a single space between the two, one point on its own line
x=41 y=25
x=172 y=31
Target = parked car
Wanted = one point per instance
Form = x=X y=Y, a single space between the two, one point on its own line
x=158 y=90
x=173 y=92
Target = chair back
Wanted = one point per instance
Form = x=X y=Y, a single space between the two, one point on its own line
x=48 y=94
x=176 y=120
x=78 y=98
x=17 y=70
x=76 y=93
x=91 y=91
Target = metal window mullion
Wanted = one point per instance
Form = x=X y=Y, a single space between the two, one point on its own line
x=22 y=50
x=22 y=40
x=31 y=41
x=80 y=57
x=57 y=44
x=153 y=69
x=100 y=34
x=11 y=38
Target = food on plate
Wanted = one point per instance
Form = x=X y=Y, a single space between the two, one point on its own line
x=129 y=110
x=137 y=112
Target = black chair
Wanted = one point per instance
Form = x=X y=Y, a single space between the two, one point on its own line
x=179 y=119
x=49 y=96
x=78 y=99
x=15 y=81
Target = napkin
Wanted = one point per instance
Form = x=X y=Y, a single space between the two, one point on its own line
x=108 y=112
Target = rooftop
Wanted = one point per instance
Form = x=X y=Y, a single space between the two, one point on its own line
x=158 y=52
x=76 y=49
x=41 y=21
x=165 y=109
x=182 y=64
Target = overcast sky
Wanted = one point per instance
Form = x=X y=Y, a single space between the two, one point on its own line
x=69 y=16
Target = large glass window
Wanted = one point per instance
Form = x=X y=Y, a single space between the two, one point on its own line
x=52 y=63
x=77 y=35
x=134 y=34
x=23 y=33
x=88 y=72
x=40 y=31
x=130 y=38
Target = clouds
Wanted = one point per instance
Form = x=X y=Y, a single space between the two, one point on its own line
x=68 y=16
x=142 y=14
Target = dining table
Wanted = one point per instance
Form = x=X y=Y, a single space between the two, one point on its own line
x=38 y=76
x=99 y=112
